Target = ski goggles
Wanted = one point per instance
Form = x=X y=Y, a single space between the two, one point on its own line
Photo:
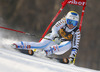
x=73 y=22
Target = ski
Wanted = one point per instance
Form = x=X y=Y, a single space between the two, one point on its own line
x=25 y=51
x=32 y=53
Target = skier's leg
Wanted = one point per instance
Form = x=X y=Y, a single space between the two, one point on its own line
x=37 y=45
x=59 y=49
x=47 y=41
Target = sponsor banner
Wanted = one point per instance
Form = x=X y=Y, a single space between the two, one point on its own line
x=77 y=2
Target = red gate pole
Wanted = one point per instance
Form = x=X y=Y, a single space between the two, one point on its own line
x=83 y=10
x=63 y=5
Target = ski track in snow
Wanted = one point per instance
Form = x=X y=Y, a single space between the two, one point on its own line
x=14 y=61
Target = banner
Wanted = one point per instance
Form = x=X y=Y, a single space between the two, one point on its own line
x=77 y=2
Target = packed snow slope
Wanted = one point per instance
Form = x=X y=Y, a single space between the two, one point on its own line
x=13 y=61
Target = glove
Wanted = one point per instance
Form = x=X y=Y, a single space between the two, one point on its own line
x=73 y=56
x=57 y=40
x=71 y=60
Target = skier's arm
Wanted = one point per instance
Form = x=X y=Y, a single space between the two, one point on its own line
x=76 y=39
x=75 y=44
x=57 y=26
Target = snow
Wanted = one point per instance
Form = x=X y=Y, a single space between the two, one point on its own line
x=14 y=61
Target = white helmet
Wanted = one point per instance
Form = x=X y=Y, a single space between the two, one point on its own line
x=72 y=18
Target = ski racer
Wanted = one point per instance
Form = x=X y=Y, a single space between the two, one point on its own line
x=64 y=36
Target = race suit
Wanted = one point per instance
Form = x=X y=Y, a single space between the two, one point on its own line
x=60 y=40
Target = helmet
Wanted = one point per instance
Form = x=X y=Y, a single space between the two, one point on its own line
x=72 y=18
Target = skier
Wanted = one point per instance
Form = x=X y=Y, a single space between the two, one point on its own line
x=64 y=36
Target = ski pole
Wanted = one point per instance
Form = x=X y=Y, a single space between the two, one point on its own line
x=17 y=31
